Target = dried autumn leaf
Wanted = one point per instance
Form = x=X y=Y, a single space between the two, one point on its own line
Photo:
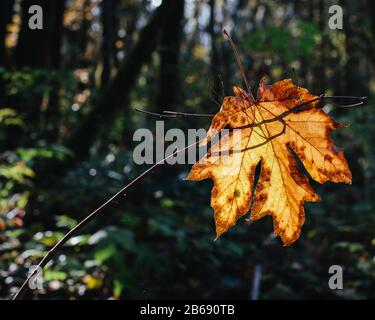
x=269 y=129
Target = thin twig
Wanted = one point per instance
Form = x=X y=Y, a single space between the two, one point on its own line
x=297 y=108
x=216 y=97
x=346 y=97
x=222 y=86
x=185 y=114
x=154 y=114
x=174 y=114
x=242 y=69
x=362 y=100
x=52 y=252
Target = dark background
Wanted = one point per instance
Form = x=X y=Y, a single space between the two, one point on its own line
x=67 y=95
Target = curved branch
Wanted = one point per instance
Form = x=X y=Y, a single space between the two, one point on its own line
x=52 y=252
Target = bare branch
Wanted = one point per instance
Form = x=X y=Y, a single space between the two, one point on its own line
x=174 y=114
x=300 y=107
x=242 y=69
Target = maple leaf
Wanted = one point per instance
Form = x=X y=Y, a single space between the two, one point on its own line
x=284 y=120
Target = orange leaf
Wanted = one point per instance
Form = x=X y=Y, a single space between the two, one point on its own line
x=267 y=132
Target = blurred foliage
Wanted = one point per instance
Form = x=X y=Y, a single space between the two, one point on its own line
x=158 y=241
x=15 y=177
x=287 y=44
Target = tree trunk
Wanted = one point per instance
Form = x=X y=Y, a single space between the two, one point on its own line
x=6 y=11
x=169 y=54
x=321 y=69
x=371 y=39
x=83 y=36
x=108 y=39
x=214 y=63
x=41 y=48
x=354 y=68
x=118 y=91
